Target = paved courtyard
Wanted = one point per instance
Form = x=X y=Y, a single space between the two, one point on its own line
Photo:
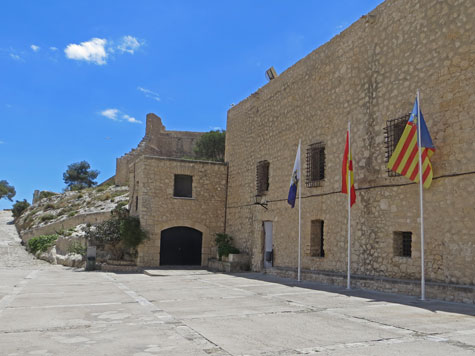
x=53 y=310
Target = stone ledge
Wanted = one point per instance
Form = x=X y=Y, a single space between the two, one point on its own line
x=227 y=266
x=434 y=290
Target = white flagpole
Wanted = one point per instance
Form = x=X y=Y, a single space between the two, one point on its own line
x=423 y=282
x=299 y=187
x=348 y=179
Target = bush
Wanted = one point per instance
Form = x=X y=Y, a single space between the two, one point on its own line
x=72 y=213
x=49 y=206
x=47 y=217
x=19 y=207
x=130 y=232
x=224 y=243
x=41 y=243
x=121 y=204
x=77 y=247
x=46 y=194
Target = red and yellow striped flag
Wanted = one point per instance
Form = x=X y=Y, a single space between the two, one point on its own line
x=405 y=158
x=348 y=166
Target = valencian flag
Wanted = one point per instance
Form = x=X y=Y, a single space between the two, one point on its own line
x=348 y=166
x=294 y=180
x=405 y=158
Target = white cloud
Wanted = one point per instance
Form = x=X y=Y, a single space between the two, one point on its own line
x=89 y=51
x=16 y=57
x=149 y=94
x=117 y=115
x=110 y=113
x=131 y=119
x=128 y=44
x=35 y=48
x=53 y=48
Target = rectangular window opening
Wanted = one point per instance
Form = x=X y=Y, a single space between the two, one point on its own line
x=316 y=239
x=262 y=177
x=315 y=165
x=392 y=134
x=402 y=243
x=183 y=186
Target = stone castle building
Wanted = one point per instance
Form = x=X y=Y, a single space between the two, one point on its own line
x=368 y=74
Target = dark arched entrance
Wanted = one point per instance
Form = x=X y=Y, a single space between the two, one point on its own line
x=180 y=246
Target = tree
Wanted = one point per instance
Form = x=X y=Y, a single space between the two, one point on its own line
x=19 y=207
x=79 y=176
x=6 y=190
x=210 y=146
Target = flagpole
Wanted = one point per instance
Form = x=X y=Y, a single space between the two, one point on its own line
x=423 y=282
x=299 y=187
x=348 y=180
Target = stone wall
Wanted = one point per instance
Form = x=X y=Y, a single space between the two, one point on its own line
x=157 y=142
x=151 y=187
x=368 y=74
x=66 y=223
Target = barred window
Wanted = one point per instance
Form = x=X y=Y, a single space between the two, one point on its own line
x=392 y=133
x=262 y=177
x=402 y=243
x=315 y=164
x=316 y=239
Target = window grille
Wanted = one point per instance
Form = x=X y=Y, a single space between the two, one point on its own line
x=262 y=177
x=183 y=186
x=392 y=133
x=316 y=238
x=315 y=165
x=403 y=243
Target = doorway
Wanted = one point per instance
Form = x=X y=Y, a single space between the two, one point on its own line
x=180 y=246
x=268 y=245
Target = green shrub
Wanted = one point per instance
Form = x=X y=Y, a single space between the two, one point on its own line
x=47 y=217
x=41 y=243
x=72 y=213
x=130 y=232
x=19 y=207
x=46 y=194
x=49 y=206
x=77 y=247
x=224 y=242
x=121 y=204
x=101 y=188
x=79 y=196
x=105 y=197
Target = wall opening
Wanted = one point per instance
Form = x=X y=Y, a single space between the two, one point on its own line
x=315 y=164
x=180 y=246
x=316 y=239
x=402 y=243
x=183 y=187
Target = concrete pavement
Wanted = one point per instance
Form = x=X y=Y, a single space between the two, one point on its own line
x=53 y=310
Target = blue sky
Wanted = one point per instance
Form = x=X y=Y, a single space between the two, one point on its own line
x=78 y=77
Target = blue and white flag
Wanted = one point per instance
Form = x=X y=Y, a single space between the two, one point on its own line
x=294 y=180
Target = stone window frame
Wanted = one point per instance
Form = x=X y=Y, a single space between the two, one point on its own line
x=179 y=191
x=316 y=246
x=315 y=165
x=402 y=244
x=392 y=134
x=262 y=177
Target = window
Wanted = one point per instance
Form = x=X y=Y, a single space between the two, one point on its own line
x=316 y=238
x=183 y=186
x=262 y=177
x=315 y=165
x=402 y=243
x=136 y=203
x=392 y=133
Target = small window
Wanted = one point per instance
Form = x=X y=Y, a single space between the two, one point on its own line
x=315 y=165
x=316 y=239
x=392 y=134
x=403 y=243
x=183 y=186
x=262 y=177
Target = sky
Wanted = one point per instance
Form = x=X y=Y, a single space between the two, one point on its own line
x=78 y=77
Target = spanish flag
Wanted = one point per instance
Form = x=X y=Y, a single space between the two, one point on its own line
x=348 y=166
x=405 y=158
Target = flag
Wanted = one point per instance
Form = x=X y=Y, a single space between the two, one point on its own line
x=405 y=158
x=348 y=166
x=294 y=180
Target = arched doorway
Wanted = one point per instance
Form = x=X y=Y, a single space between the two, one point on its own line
x=180 y=246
